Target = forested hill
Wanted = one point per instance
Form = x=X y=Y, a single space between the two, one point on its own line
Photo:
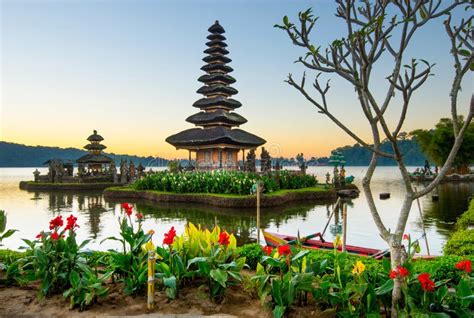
x=18 y=155
x=359 y=156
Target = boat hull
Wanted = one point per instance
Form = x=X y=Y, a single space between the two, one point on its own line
x=274 y=240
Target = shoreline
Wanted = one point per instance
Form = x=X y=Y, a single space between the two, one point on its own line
x=316 y=194
x=46 y=186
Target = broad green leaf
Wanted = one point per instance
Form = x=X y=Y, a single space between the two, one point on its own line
x=219 y=276
x=75 y=279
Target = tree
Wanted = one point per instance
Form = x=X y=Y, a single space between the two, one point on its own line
x=436 y=144
x=381 y=30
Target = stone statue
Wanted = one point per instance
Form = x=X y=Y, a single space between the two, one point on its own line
x=328 y=178
x=277 y=165
x=123 y=171
x=301 y=163
x=265 y=161
x=141 y=170
x=113 y=171
x=132 y=173
x=342 y=176
x=335 y=179
x=36 y=174
x=250 y=162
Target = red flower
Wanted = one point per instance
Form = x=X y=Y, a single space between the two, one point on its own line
x=139 y=216
x=267 y=250
x=464 y=265
x=224 y=238
x=169 y=237
x=393 y=274
x=426 y=283
x=55 y=236
x=406 y=237
x=284 y=250
x=402 y=271
x=41 y=235
x=56 y=222
x=71 y=223
x=128 y=208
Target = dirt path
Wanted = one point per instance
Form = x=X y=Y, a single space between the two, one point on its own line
x=15 y=301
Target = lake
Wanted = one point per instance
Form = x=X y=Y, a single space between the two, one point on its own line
x=30 y=212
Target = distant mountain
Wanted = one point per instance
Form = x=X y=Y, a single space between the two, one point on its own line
x=18 y=155
x=359 y=156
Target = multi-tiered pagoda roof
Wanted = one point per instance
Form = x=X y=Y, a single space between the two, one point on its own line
x=95 y=148
x=217 y=117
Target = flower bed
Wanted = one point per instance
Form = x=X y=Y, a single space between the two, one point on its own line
x=285 y=278
x=223 y=182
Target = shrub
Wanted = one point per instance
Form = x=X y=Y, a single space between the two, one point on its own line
x=222 y=182
x=252 y=253
x=466 y=219
x=460 y=243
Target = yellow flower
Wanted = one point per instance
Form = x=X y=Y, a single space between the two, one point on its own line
x=359 y=268
x=149 y=246
x=337 y=241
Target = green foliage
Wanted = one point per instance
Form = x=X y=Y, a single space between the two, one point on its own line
x=467 y=218
x=252 y=253
x=436 y=143
x=460 y=243
x=9 y=256
x=174 y=166
x=222 y=182
x=130 y=265
x=219 y=269
x=56 y=261
x=199 y=252
x=86 y=287
x=3 y=224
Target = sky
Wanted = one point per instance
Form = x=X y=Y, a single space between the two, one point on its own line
x=129 y=69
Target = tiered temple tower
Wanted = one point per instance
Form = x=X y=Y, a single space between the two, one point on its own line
x=95 y=161
x=217 y=143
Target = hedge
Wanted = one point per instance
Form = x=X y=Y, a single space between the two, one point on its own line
x=462 y=241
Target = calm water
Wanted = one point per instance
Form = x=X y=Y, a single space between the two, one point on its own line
x=30 y=212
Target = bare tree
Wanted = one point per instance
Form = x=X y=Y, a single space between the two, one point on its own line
x=375 y=29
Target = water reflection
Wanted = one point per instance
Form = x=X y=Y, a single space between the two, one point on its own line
x=30 y=212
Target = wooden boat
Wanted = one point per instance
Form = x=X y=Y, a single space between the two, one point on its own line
x=274 y=240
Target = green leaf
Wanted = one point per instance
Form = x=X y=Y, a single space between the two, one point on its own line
x=8 y=233
x=219 y=276
x=75 y=279
x=464 y=52
x=285 y=20
x=196 y=260
x=276 y=292
x=301 y=254
x=279 y=311
x=170 y=282
x=385 y=288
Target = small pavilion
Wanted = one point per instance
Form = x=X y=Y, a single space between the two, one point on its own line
x=215 y=141
x=95 y=162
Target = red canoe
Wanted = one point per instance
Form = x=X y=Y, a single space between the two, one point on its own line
x=274 y=240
